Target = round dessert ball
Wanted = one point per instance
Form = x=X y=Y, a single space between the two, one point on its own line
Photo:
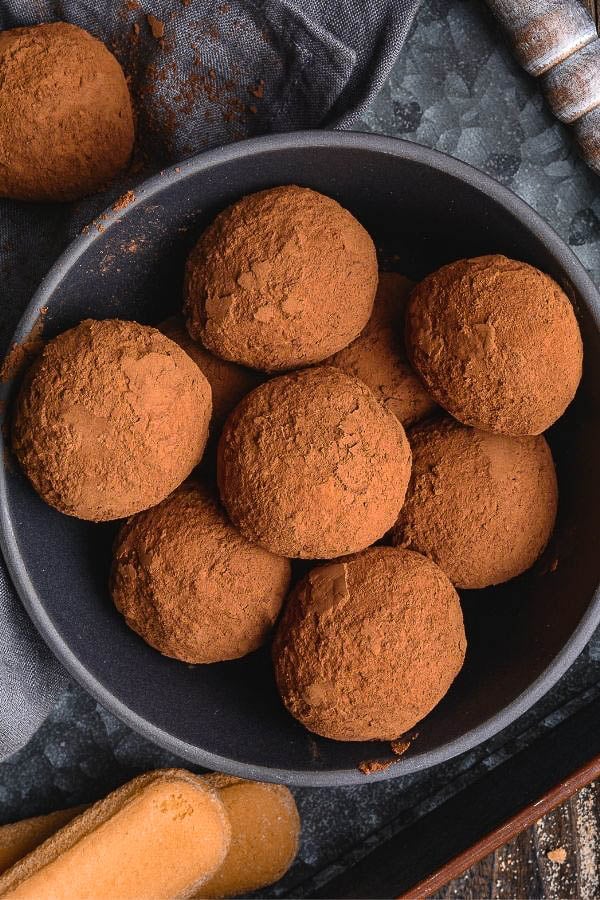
x=228 y=381
x=366 y=648
x=110 y=419
x=311 y=465
x=496 y=342
x=190 y=585
x=66 y=123
x=377 y=356
x=480 y=505
x=281 y=279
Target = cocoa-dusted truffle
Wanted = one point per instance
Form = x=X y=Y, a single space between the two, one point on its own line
x=366 y=648
x=281 y=279
x=311 y=465
x=66 y=123
x=190 y=585
x=481 y=505
x=110 y=419
x=377 y=356
x=229 y=382
x=497 y=344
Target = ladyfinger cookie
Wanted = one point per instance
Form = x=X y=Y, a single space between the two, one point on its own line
x=161 y=836
x=22 y=837
x=265 y=831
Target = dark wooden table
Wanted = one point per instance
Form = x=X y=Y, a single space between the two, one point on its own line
x=558 y=857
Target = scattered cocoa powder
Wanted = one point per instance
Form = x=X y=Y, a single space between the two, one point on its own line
x=399 y=746
x=497 y=344
x=229 y=382
x=123 y=201
x=58 y=79
x=366 y=648
x=281 y=279
x=372 y=766
x=378 y=358
x=311 y=465
x=257 y=90
x=481 y=505
x=111 y=417
x=190 y=584
x=157 y=27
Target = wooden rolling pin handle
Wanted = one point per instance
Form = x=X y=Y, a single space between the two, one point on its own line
x=557 y=41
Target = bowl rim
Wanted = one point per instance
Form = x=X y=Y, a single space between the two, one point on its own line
x=34 y=605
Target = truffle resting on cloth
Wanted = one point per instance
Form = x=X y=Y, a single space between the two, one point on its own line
x=110 y=419
x=311 y=465
x=367 y=647
x=190 y=585
x=66 y=122
x=496 y=342
x=281 y=279
x=481 y=505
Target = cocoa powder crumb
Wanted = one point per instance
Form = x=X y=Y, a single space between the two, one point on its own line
x=371 y=766
x=157 y=27
x=400 y=747
x=559 y=855
x=123 y=201
x=257 y=90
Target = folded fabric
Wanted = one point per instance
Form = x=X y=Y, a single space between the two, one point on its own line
x=202 y=73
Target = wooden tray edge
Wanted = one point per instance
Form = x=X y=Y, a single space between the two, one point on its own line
x=505 y=832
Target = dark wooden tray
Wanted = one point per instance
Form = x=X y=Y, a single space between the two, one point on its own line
x=419 y=859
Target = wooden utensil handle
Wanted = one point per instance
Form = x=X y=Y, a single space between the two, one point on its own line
x=557 y=41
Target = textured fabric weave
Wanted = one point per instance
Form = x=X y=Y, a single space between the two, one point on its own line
x=220 y=72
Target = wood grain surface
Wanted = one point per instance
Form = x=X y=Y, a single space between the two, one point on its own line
x=558 y=857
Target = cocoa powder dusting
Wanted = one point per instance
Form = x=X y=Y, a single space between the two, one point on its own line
x=378 y=358
x=111 y=417
x=311 y=465
x=369 y=662
x=281 y=279
x=481 y=505
x=190 y=585
x=497 y=344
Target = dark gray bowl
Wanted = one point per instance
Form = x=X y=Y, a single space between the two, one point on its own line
x=423 y=209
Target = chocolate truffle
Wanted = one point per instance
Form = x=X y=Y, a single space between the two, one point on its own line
x=110 y=419
x=311 y=465
x=228 y=381
x=190 y=585
x=497 y=344
x=480 y=505
x=66 y=123
x=281 y=279
x=377 y=356
x=367 y=647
